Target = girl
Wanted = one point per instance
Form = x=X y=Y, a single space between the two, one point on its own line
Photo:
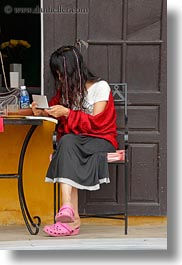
x=86 y=117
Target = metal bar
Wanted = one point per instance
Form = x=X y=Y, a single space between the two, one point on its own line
x=126 y=159
x=104 y=216
x=56 y=199
x=118 y=42
x=24 y=212
x=126 y=190
x=9 y=176
x=54 y=202
x=58 y=196
x=26 y=215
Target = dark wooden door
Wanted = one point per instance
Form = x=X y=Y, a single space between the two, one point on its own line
x=125 y=41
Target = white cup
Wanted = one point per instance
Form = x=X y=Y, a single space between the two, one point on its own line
x=14 y=79
x=12 y=108
x=3 y=110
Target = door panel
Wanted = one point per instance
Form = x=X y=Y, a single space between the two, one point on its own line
x=144 y=173
x=143 y=61
x=101 y=26
x=59 y=30
x=144 y=20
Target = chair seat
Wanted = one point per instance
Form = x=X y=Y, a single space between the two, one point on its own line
x=119 y=155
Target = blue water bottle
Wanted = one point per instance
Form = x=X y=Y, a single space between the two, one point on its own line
x=24 y=98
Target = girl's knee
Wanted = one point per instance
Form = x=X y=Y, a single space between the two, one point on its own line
x=67 y=140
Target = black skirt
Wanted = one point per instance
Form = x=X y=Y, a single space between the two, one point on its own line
x=80 y=161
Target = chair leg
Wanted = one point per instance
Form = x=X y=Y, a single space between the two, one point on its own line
x=58 y=196
x=126 y=195
x=56 y=199
x=55 y=195
x=126 y=224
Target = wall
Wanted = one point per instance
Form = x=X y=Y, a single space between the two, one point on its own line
x=39 y=195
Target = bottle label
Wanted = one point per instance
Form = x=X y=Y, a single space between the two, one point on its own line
x=24 y=102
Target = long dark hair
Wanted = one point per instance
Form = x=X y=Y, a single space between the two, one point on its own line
x=71 y=74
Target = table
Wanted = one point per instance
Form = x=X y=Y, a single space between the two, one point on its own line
x=33 y=227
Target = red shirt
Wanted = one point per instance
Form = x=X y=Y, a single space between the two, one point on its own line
x=102 y=125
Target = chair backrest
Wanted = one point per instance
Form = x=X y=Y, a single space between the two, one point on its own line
x=119 y=91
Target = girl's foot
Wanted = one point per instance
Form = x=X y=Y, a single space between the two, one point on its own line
x=60 y=230
x=66 y=214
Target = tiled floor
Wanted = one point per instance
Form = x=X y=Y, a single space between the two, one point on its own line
x=93 y=235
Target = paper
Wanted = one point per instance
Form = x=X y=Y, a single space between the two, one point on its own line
x=41 y=101
x=42 y=118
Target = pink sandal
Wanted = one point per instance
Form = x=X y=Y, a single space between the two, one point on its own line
x=60 y=230
x=65 y=215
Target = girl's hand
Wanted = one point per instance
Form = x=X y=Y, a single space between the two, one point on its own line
x=57 y=111
x=36 y=112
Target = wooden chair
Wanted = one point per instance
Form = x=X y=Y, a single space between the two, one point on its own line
x=119 y=158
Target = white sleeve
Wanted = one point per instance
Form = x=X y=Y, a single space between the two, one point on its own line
x=102 y=91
